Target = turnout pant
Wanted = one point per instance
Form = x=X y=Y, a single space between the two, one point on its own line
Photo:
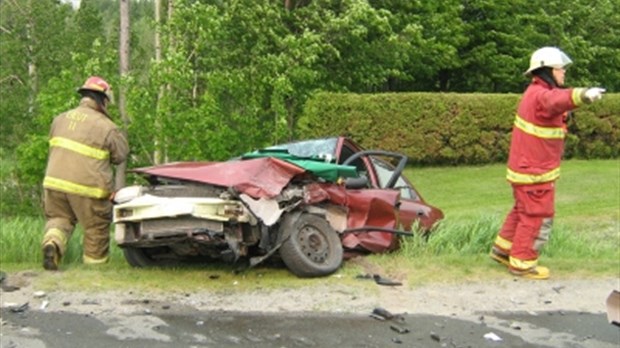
x=64 y=210
x=528 y=224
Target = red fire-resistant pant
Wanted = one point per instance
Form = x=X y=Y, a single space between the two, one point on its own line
x=528 y=225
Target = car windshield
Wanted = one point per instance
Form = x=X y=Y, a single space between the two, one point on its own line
x=322 y=148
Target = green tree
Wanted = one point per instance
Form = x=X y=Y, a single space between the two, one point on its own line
x=87 y=26
x=433 y=33
x=240 y=71
x=33 y=38
x=593 y=42
x=503 y=35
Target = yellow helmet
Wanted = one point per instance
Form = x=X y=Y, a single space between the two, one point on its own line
x=551 y=57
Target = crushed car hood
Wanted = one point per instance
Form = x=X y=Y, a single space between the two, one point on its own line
x=260 y=177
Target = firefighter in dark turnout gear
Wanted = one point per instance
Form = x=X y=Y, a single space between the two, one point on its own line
x=84 y=143
x=536 y=149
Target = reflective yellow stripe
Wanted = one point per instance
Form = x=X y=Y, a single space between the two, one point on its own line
x=79 y=148
x=55 y=235
x=576 y=95
x=539 y=132
x=522 y=264
x=92 y=261
x=521 y=178
x=71 y=187
x=503 y=243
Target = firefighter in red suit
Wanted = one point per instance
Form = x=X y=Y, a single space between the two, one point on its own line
x=536 y=150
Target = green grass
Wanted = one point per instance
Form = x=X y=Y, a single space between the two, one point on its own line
x=585 y=241
x=586 y=233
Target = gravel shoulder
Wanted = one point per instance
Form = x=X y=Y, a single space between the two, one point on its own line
x=523 y=313
x=462 y=299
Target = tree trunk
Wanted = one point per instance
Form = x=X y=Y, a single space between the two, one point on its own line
x=160 y=153
x=124 y=70
x=32 y=64
x=171 y=47
x=157 y=153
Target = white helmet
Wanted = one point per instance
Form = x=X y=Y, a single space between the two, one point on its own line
x=548 y=56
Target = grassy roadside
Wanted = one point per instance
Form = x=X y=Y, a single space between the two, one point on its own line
x=586 y=236
x=585 y=241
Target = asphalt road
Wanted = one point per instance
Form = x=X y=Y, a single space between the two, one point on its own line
x=33 y=328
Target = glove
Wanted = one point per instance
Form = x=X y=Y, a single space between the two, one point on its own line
x=594 y=93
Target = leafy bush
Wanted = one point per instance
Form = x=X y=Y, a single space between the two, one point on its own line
x=450 y=128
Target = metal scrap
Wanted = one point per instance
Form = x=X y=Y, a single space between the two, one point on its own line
x=20 y=309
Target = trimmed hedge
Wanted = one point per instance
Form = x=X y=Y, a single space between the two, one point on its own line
x=450 y=128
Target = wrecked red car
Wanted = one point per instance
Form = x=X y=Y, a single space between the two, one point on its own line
x=310 y=203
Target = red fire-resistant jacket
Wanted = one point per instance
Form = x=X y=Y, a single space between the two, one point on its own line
x=538 y=133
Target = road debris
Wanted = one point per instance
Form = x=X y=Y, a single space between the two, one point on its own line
x=401 y=330
x=382 y=313
x=380 y=280
x=20 y=309
x=492 y=337
x=385 y=281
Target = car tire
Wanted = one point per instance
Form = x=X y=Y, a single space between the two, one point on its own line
x=311 y=248
x=140 y=257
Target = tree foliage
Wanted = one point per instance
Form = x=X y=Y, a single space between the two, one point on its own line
x=235 y=75
x=31 y=33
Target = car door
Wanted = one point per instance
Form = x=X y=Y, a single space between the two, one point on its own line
x=412 y=207
x=382 y=174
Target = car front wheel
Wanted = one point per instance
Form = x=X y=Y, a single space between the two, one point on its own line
x=312 y=247
x=144 y=257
